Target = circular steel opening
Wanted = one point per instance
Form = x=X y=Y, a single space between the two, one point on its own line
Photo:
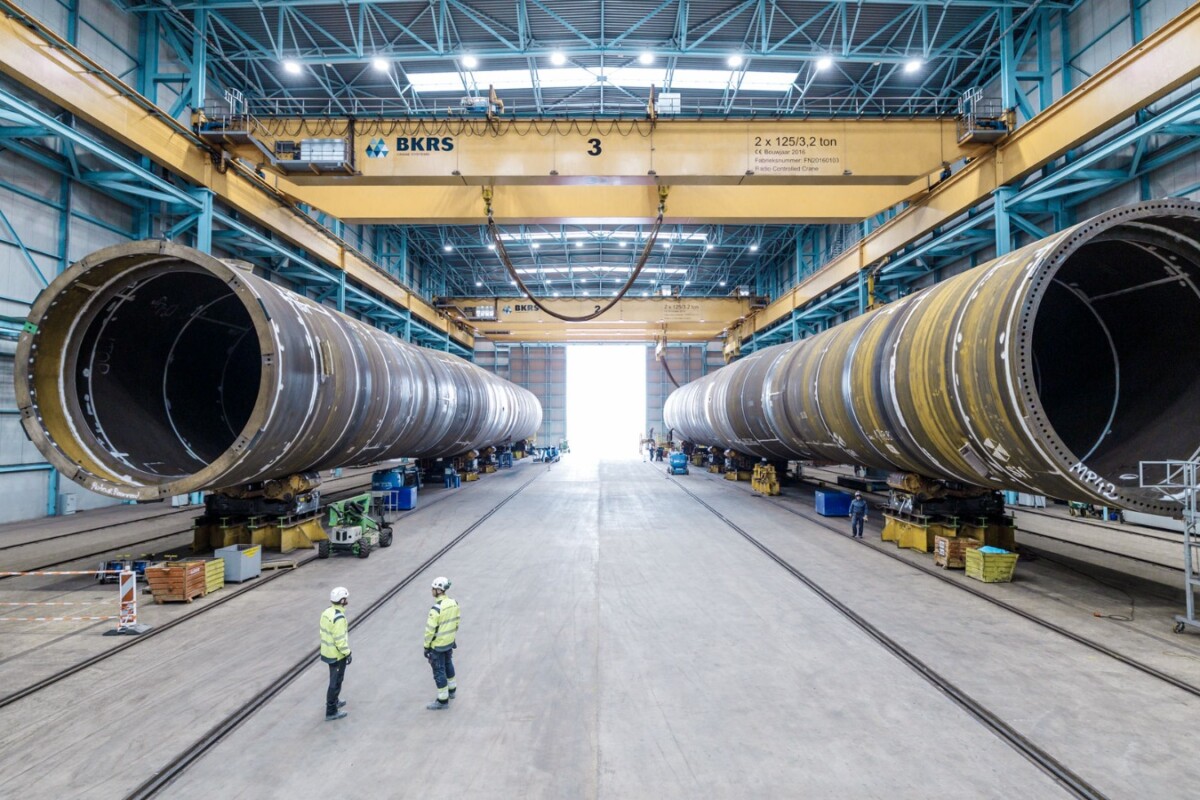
x=165 y=373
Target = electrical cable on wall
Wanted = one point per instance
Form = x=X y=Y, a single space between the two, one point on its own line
x=494 y=232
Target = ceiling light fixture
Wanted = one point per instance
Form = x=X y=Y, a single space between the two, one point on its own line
x=491 y=245
x=557 y=58
x=535 y=245
x=734 y=60
x=824 y=63
x=720 y=283
x=556 y=294
x=292 y=67
x=579 y=244
x=470 y=62
x=913 y=65
x=447 y=247
x=585 y=292
x=753 y=248
x=709 y=246
x=380 y=64
x=479 y=283
x=646 y=58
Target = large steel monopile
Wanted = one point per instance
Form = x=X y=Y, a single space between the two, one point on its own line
x=151 y=369
x=1054 y=369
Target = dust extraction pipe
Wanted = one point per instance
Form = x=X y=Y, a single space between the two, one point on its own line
x=150 y=369
x=1054 y=370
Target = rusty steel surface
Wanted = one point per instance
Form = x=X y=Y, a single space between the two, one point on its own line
x=1053 y=370
x=150 y=369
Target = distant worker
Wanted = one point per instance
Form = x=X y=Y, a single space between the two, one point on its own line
x=858 y=515
x=441 y=629
x=335 y=649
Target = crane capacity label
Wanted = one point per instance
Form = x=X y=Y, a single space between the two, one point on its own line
x=681 y=311
x=795 y=155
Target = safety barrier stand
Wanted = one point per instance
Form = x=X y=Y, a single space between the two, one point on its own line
x=126 y=614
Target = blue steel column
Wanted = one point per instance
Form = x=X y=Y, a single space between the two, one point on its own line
x=1001 y=198
x=199 y=60
x=1008 y=69
x=403 y=266
x=204 y=222
x=341 y=291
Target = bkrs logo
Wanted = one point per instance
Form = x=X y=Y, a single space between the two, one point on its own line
x=424 y=144
x=377 y=148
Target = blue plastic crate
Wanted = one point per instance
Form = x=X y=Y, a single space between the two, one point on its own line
x=406 y=498
x=833 y=504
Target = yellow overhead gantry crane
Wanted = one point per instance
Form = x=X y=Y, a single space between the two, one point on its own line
x=566 y=183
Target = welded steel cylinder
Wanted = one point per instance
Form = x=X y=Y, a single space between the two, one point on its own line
x=151 y=369
x=1054 y=369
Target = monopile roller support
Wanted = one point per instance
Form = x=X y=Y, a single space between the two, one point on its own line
x=150 y=369
x=1053 y=370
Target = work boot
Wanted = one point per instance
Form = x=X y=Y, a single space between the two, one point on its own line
x=332 y=717
x=438 y=705
x=451 y=694
x=341 y=703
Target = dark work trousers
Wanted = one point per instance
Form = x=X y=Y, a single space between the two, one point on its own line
x=337 y=671
x=856 y=524
x=443 y=667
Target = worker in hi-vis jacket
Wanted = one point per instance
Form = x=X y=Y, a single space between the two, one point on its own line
x=335 y=649
x=441 y=629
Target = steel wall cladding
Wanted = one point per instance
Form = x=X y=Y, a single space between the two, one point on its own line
x=151 y=369
x=1054 y=370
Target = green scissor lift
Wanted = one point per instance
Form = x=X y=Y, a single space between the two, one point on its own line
x=353 y=529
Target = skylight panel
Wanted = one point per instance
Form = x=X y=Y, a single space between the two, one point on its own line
x=700 y=79
x=564 y=78
x=636 y=77
x=767 y=81
x=719 y=79
x=436 y=82
x=626 y=77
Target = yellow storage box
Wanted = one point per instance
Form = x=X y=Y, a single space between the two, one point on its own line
x=990 y=567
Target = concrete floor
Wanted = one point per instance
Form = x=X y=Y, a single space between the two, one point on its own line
x=619 y=641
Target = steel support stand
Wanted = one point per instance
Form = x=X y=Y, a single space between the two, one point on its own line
x=1179 y=483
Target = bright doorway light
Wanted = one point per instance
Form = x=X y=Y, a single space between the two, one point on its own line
x=606 y=399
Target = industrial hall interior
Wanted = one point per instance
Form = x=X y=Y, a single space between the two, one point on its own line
x=732 y=398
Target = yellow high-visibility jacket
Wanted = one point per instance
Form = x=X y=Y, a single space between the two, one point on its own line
x=442 y=625
x=335 y=640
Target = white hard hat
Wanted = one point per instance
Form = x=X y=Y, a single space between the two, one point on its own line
x=339 y=594
x=441 y=583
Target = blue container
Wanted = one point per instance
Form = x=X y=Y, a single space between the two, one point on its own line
x=833 y=504
x=386 y=480
x=406 y=498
